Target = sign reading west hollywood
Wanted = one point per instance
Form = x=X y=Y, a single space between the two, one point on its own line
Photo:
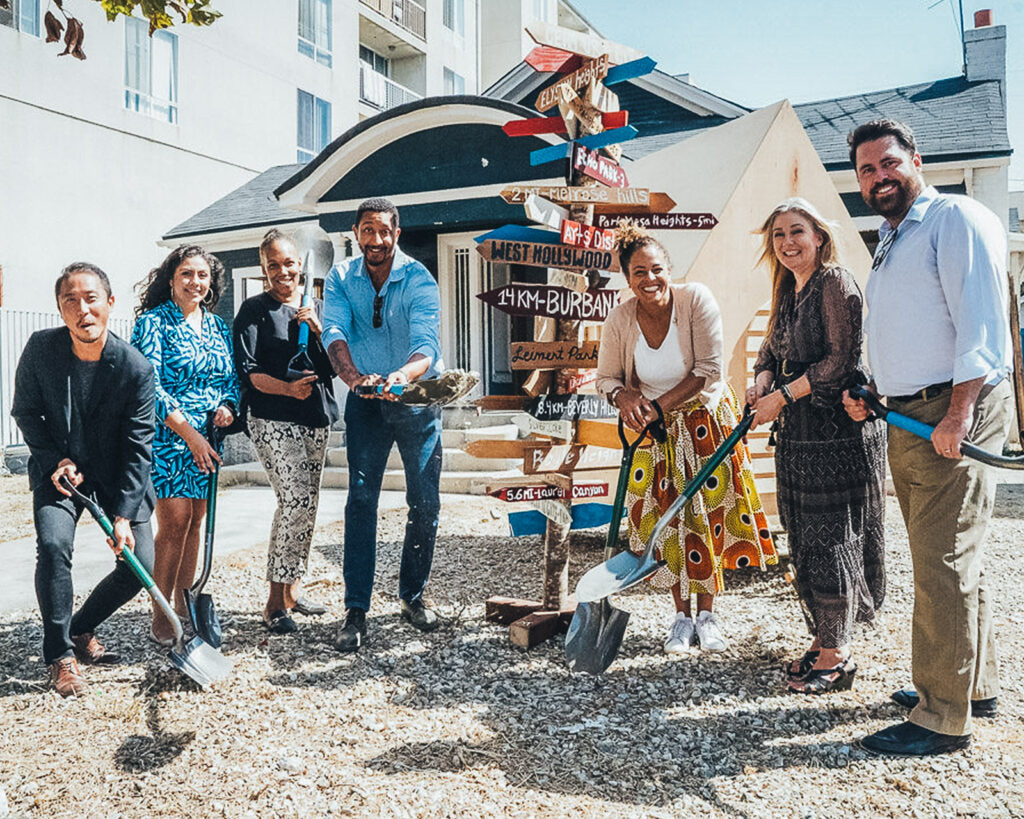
x=541 y=355
x=517 y=494
x=552 y=302
x=598 y=167
x=659 y=221
x=590 y=70
x=619 y=200
x=572 y=407
x=535 y=254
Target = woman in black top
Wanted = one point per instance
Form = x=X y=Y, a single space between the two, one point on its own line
x=289 y=420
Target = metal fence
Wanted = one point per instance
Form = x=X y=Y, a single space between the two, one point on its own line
x=15 y=328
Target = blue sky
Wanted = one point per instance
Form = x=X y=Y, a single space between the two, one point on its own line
x=756 y=52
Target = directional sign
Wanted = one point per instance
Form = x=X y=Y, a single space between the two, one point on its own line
x=556 y=125
x=548 y=255
x=604 y=433
x=659 y=221
x=555 y=355
x=567 y=457
x=574 y=233
x=576 y=382
x=554 y=510
x=592 y=141
x=542 y=211
x=566 y=278
x=591 y=70
x=518 y=494
x=629 y=71
x=577 y=42
x=570 y=407
x=555 y=302
x=617 y=200
x=520 y=233
x=598 y=167
x=546 y=60
x=549 y=429
x=584 y=516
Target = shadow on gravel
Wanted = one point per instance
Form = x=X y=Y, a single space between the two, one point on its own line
x=140 y=753
x=1009 y=500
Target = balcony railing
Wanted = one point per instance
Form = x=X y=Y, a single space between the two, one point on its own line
x=382 y=92
x=409 y=14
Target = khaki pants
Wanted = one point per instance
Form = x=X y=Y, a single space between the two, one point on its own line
x=946 y=506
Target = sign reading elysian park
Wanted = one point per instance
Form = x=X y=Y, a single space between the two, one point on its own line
x=551 y=302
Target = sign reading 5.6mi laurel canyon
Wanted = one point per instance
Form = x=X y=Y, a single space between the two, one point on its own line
x=551 y=302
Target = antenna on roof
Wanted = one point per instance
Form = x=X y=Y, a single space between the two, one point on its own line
x=957 y=8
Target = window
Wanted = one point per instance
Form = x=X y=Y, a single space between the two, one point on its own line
x=315 y=30
x=22 y=15
x=150 y=71
x=540 y=10
x=314 y=125
x=379 y=64
x=454 y=83
x=454 y=16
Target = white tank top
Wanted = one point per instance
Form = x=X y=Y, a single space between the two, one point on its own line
x=661 y=369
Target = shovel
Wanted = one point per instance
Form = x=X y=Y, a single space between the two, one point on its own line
x=200 y=606
x=430 y=392
x=317 y=257
x=596 y=629
x=922 y=430
x=199 y=660
x=626 y=568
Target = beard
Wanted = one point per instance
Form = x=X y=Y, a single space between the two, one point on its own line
x=896 y=204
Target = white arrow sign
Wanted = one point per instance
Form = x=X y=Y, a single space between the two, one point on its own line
x=543 y=212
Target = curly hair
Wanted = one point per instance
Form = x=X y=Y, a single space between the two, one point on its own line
x=629 y=238
x=155 y=289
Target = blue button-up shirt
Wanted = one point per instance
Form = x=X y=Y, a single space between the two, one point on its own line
x=937 y=301
x=411 y=315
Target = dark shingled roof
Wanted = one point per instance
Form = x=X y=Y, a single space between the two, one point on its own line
x=952 y=119
x=252 y=205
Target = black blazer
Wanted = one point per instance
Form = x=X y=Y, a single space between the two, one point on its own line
x=119 y=422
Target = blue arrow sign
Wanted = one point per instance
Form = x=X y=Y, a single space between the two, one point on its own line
x=519 y=233
x=592 y=141
x=584 y=516
x=628 y=71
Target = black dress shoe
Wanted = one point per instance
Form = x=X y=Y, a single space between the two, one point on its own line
x=910 y=739
x=909 y=698
x=350 y=635
x=308 y=608
x=279 y=622
x=419 y=615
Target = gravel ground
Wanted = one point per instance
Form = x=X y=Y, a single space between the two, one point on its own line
x=461 y=723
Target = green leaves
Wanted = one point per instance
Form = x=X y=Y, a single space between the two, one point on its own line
x=158 y=12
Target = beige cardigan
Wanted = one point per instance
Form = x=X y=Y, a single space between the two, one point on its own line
x=700 y=342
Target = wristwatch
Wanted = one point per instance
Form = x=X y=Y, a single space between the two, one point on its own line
x=615 y=394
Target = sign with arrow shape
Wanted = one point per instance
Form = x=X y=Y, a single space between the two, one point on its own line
x=535 y=254
x=605 y=199
x=554 y=302
x=659 y=221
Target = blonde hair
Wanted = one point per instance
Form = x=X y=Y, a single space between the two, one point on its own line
x=629 y=238
x=783 y=280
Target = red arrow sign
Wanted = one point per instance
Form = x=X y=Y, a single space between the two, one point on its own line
x=556 y=125
x=574 y=233
x=598 y=167
x=546 y=59
x=554 y=302
x=516 y=494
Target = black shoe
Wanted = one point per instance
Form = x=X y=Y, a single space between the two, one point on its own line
x=824 y=680
x=908 y=698
x=308 y=608
x=280 y=622
x=350 y=635
x=419 y=615
x=909 y=739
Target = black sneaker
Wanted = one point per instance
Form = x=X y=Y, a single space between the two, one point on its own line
x=419 y=615
x=350 y=635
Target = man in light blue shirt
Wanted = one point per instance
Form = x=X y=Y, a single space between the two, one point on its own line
x=938 y=344
x=381 y=326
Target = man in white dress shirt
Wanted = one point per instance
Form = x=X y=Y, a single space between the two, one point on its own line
x=938 y=342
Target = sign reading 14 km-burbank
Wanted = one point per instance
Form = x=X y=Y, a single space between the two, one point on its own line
x=551 y=302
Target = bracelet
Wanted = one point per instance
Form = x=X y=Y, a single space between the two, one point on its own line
x=614 y=394
x=786 y=394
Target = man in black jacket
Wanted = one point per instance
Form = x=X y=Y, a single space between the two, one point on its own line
x=84 y=401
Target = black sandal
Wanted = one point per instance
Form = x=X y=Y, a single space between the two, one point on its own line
x=820 y=680
x=804 y=665
x=280 y=622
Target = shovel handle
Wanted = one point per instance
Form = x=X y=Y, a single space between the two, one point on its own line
x=625 y=468
x=378 y=389
x=923 y=430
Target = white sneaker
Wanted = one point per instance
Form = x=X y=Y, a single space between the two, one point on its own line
x=709 y=633
x=680 y=636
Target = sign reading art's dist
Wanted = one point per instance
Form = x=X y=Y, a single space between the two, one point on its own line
x=553 y=355
x=551 y=302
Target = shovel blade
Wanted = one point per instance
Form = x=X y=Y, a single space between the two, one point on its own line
x=203 y=615
x=594 y=636
x=299 y=367
x=201 y=661
x=615 y=575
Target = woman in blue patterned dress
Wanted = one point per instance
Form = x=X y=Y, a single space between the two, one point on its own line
x=190 y=349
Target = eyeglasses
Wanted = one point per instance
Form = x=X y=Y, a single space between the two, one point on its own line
x=883 y=249
x=378 y=305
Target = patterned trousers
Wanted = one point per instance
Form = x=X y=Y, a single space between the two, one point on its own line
x=293 y=456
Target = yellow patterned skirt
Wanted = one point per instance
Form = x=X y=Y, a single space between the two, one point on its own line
x=723 y=525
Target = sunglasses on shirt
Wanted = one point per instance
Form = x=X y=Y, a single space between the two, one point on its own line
x=378 y=306
x=883 y=249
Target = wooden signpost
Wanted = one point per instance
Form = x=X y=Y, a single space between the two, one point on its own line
x=553 y=355
x=593 y=69
x=548 y=255
x=555 y=302
x=659 y=221
x=573 y=233
x=515 y=494
x=604 y=199
x=598 y=167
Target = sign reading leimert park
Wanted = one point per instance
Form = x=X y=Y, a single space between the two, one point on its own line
x=536 y=254
x=551 y=302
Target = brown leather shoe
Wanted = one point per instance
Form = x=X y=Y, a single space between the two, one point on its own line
x=91 y=651
x=66 y=678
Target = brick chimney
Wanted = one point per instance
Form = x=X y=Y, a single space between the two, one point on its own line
x=985 y=50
